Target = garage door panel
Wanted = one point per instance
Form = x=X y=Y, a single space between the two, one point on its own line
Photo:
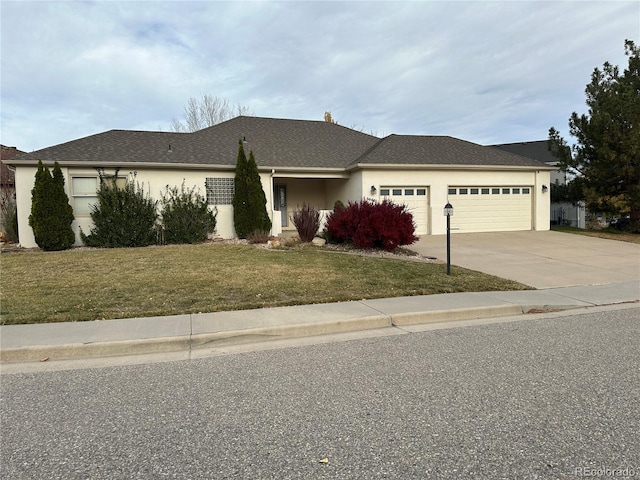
x=417 y=201
x=493 y=209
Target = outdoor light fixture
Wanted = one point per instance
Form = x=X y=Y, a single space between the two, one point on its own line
x=544 y=188
x=373 y=190
x=448 y=212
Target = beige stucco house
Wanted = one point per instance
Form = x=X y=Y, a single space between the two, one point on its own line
x=306 y=161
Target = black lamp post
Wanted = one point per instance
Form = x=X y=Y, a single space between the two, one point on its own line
x=448 y=212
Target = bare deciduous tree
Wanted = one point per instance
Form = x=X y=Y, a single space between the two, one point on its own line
x=206 y=112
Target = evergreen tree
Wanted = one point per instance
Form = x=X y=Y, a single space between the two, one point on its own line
x=249 y=201
x=51 y=215
x=256 y=198
x=40 y=206
x=606 y=154
x=241 y=217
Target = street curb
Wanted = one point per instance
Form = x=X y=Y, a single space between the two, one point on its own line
x=255 y=335
x=415 y=318
x=40 y=353
x=196 y=341
x=188 y=342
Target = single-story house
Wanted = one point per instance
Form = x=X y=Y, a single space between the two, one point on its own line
x=300 y=161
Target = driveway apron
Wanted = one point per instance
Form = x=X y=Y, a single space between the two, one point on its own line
x=543 y=259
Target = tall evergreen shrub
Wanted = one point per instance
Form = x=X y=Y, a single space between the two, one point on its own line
x=123 y=217
x=51 y=215
x=257 y=198
x=241 y=217
x=186 y=217
x=249 y=201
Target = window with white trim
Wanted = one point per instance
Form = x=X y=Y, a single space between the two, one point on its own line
x=84 y=191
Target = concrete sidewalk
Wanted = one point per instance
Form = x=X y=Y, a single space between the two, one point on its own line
x=137 y=336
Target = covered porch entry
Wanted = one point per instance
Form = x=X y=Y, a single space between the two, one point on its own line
x=289 y=193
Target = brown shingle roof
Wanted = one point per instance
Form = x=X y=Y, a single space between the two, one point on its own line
x=438 y=150
x=275 y=143
x=120 y=146
x=282 y=142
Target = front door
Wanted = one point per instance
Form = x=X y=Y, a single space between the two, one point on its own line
x=280 y=203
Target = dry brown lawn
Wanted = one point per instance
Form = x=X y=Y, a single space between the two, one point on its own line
x=90 y=284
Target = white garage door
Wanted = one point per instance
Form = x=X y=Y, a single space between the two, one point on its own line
x=490 y=208
x=417 y=201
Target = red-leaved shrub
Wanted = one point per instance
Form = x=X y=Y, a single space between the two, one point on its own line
x=307 y=222
x=369 y=224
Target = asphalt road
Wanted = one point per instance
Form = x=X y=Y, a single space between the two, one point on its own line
x=541 y=398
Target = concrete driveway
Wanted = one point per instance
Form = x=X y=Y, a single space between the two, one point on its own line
x=539 y=259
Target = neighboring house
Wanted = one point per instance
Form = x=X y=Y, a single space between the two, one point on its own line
x=562 y=213
x=306 y=161
x=7 y=178
x=539 y=151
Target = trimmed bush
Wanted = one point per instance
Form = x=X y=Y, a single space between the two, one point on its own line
x=307 y=222
x=51 y=215
x=369 y=224
x=123 y=217
x=186 y=217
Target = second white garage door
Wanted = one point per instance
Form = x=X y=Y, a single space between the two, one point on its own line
x=417 y=201
x=490 y=208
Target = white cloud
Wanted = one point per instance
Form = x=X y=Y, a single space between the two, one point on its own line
x=491 y=72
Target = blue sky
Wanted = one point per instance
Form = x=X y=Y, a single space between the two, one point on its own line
x=484 y=71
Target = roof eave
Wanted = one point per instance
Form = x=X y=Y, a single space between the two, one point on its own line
x=306 y=172
x=160 y=165
x=448 y=166
x=334 y=172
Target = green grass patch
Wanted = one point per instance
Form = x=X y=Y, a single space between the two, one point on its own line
x=80 y=284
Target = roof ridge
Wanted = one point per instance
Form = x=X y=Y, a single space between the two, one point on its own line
x=368 y=151
x=289 y=120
